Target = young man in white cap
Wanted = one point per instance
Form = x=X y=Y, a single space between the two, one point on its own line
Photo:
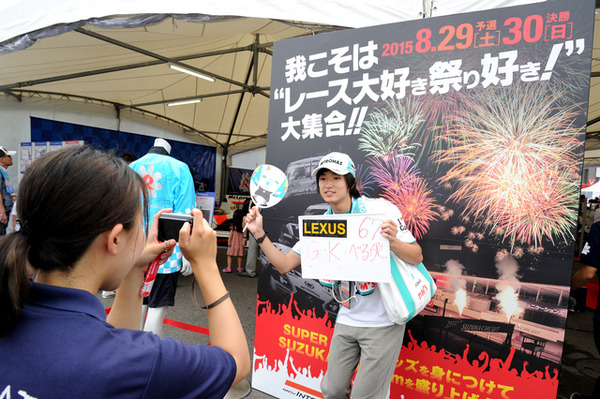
x=363 y=331
x=170 y=184
x=6 y=188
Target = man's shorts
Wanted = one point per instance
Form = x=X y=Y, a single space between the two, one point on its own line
x=163 y=291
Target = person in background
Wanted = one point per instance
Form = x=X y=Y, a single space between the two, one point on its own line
x=252 y=254
x=6 y=188
x=171 y=186
x=227 y=208
x=13 y=220
x=363 y=331
x=82 y=214
x=590 y=259
x=597 y=213
x=236 y=242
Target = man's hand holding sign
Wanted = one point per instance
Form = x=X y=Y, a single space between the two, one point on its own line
x=355 y=240
x=350 y=247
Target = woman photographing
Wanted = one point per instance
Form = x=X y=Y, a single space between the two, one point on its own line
x=82 y=231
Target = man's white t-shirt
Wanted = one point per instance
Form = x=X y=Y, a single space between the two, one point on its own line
x=13 y=216
x=368 y=310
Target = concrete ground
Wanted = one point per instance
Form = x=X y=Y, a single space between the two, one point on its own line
x=580 y=367
x=580 y=361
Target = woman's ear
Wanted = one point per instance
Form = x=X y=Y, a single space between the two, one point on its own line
x=113 y=238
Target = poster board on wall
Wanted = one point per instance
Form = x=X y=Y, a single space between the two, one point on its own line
x=238 y=181
x=205 y=201
x=473 y=125
x=30 y=151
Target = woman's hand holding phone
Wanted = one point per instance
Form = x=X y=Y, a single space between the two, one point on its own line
x=170 y=224
x=198 y=243
x=154 y=248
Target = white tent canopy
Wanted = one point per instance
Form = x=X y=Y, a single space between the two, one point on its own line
x=117 y=52
x=592 y=191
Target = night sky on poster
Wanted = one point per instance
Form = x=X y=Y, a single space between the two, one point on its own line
x=473 y=125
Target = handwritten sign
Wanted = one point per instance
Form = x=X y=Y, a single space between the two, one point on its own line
x=344 y=247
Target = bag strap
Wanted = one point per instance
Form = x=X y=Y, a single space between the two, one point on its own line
x=399 y=281
x=425 y=273
x=403 y=288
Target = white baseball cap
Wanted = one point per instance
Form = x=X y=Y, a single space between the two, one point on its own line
x=336 y=162
x=163 y=143
x=4 y=152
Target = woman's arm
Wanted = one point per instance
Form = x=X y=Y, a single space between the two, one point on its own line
x=282 y=262
x=199 y=246
x=582 y=276
x=410 y=253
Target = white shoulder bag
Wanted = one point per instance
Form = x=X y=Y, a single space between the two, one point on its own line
x=409 y=292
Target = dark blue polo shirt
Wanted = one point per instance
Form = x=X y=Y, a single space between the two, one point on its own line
x=63 y=347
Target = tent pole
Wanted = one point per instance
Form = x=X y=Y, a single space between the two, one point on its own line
x=224 y=175
x=255 y=60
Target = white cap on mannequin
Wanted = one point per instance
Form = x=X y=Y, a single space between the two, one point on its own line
x=164 y=144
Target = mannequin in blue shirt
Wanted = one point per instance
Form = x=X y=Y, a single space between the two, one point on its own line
x=171 y=186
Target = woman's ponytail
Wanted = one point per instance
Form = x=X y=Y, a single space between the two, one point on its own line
x=14 y=279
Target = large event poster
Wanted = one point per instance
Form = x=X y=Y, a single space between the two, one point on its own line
x=473 y=125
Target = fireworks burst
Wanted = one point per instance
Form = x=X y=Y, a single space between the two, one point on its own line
x=388 y=137
x=364 y=182
x=403 y=187
x=437 y=121
x=456 y=230
x=446 y=215
x=394 y=171
x=535 y=250
x=471 y=245
x=391 y=130
x=416 y=206
x=515 y=160
x=498 y=231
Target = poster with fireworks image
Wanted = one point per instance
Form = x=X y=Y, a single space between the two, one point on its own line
x=473 y=125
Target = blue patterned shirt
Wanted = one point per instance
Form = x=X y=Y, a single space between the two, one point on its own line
x=170 y=185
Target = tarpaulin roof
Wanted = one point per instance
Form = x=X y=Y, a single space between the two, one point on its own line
x=119 y=52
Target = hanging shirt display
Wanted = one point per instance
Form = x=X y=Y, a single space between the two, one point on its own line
x=170 y=185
